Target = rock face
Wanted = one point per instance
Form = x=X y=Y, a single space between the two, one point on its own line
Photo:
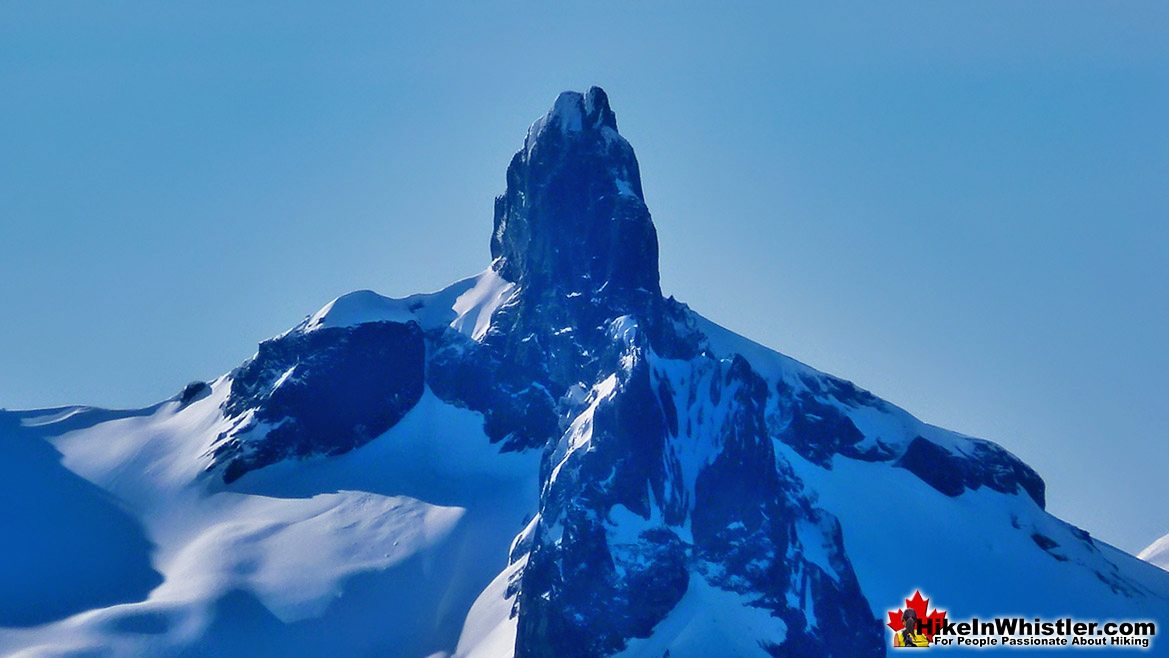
x=574 y=217
x=323 y=392
x=667 y=460
x=630 y=513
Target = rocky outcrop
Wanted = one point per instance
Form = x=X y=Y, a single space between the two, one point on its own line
x=319 y=392
x=574 y=216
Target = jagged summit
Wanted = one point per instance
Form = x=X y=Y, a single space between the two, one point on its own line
x=574 y=216
x=573 y=111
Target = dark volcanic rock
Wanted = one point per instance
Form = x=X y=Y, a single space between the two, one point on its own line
x=517 y=408
x=989 y=466
x=322 y=392
x=574 y=216
x=816 y=430
x=194 y=391
x=607 y=561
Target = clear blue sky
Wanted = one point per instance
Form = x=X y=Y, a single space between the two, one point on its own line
x=961 y=207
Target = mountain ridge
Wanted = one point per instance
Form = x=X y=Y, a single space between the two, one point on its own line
x=549 y=458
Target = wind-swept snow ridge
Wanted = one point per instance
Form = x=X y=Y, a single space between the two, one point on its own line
x=466 y=306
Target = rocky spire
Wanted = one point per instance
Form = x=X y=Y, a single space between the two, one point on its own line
x=573 y=217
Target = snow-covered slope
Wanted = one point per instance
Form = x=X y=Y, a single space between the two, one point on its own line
x=1157 y=553
x=549 y=458
x=377 y=551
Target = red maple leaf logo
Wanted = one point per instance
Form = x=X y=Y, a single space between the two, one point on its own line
x=929 y=623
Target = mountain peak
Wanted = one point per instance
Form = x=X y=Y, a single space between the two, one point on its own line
x=597 y=111
x=574 y=216
x=546 y=460
x=576 y=112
